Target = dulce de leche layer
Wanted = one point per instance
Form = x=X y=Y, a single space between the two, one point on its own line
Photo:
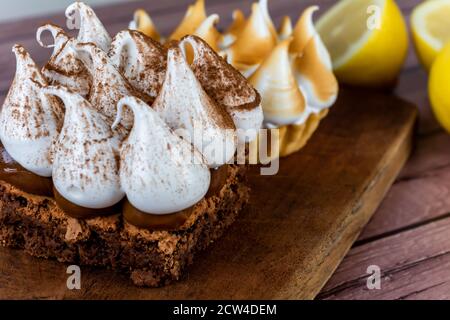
x=12 y=172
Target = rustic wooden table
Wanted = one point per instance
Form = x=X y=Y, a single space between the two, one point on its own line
x=408 y=237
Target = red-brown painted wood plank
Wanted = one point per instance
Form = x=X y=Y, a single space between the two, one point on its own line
x=410 y=202
x=422 y=191
x=409 y=262
x=432 y=152
x=427 y=279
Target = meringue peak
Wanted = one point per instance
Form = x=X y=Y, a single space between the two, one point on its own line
x=59 y=37
x=108 y=84
x=256 y=40
x=144 y=23
x=85 y=155
x=208 y=32
x=160 y=172
x=193 y=18
x=140 y=59
x=183 y=104
x=264 y=5
x=225 y=85
x=29 y=120
x=304 y=30
x=90 y=27
x=312 y=66
x=282 y=100
x=64 y=67
x=286 y=28
x=234 y=30
x=26 y=68
x=238 y=23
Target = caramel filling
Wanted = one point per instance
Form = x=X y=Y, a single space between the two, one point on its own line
x=218 y=179
x=79 y=212
x=154 y=221
x=13 y=173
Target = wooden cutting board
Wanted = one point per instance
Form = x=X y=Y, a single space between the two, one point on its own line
x=299 y=225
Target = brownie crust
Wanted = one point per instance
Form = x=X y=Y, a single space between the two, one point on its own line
x=151 y=258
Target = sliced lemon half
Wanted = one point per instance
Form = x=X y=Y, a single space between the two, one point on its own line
x=367 y=41
x=430 y=24
x=439 y=87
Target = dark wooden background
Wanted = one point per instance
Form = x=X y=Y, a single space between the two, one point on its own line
x=409 y=235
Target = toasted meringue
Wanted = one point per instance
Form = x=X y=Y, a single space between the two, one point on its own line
x=85 y=155
x=227 y=87
x=144 y=23
x=160 y=172
x=313 y=68
x=108 y=85
x=184 y=105
x=29 y=120
x=304 y=30
x=209 y=33
x=264 y=5
x=193 y=18
x=90 y=27
x=254 y=43
x=234 y=30
x=64 y=68
x=282 y=99
x=284 y=140
x=286 y=29
x=141 y=60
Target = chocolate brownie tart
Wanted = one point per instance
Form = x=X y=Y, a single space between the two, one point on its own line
x=120 y=153
x=39 y=226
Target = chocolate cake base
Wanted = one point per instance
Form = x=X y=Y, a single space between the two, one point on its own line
x=151 y=258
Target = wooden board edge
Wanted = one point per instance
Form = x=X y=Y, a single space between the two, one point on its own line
x=375 y=191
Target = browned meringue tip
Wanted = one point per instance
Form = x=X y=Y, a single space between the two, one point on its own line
x=140 y=59
x=25 y=65
x=238 y=23
x=19 y=50
x=302 y=31
x=29 y=119
x=91 y=29
x=193 y=18
x=144 y=23
x=208 y=32
x=256 y=40
x=283 y=101
x=58 y=34
x=286 y=28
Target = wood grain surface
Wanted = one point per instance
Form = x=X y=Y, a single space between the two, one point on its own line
x=299 y=225
x=417 y=202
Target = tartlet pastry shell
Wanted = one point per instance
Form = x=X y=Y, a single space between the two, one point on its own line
x=289 y=139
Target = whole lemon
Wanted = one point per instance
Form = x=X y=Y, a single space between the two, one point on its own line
x=439 y=87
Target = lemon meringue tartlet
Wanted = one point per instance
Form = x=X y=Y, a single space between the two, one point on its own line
x=290 y=67
x=297 y=86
